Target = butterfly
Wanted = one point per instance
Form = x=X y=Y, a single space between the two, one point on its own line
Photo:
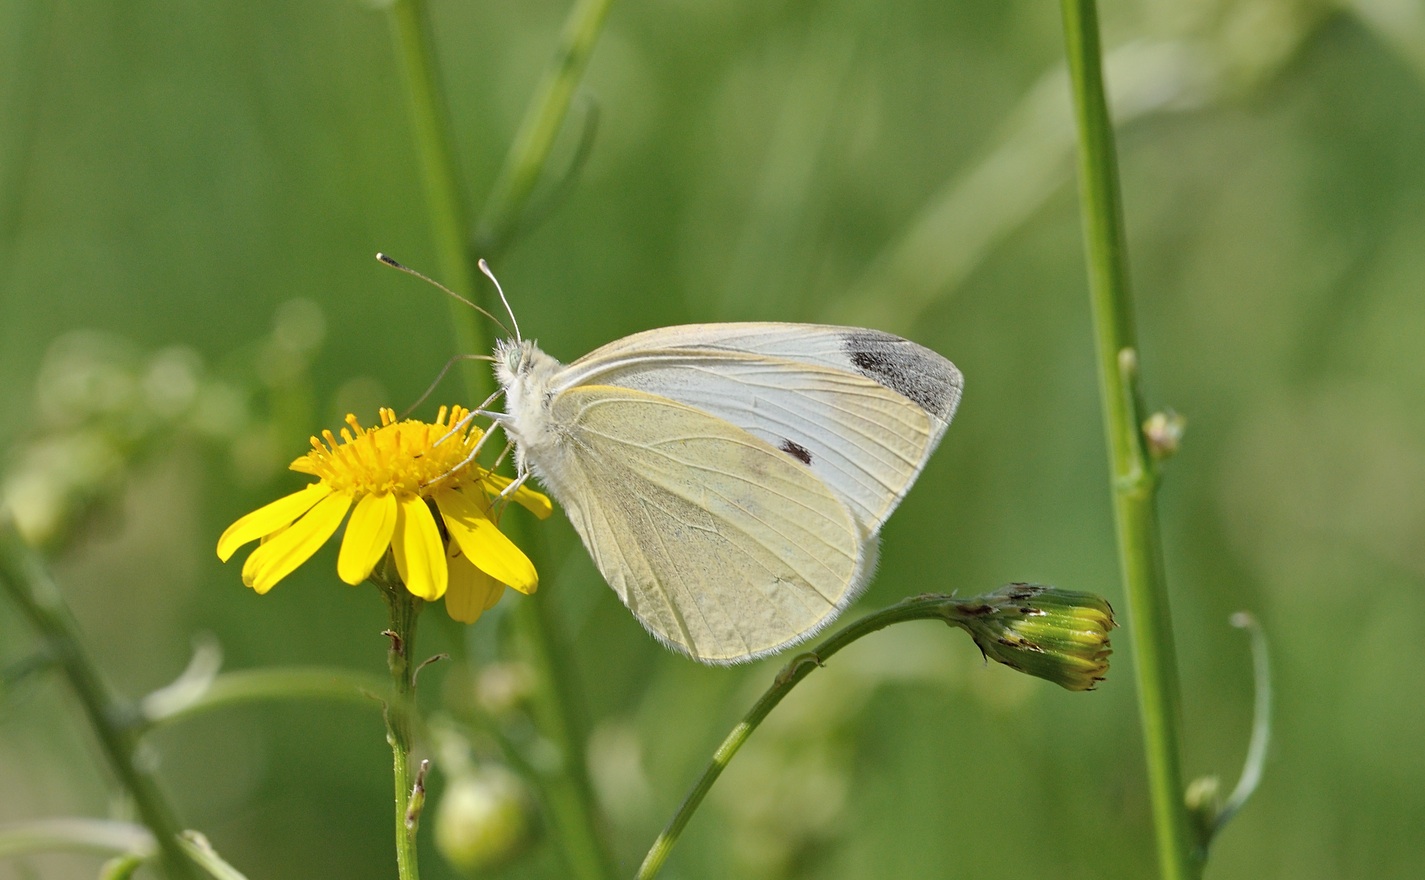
x=728 y=480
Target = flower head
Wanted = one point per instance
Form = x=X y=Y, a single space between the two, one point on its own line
x=409 y=488
x=1058 y=635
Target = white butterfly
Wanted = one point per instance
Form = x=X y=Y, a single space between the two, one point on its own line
x=729 y=480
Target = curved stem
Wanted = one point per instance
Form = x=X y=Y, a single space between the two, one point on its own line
x=1134 y=478
x=1256 y=760
x=104 y=837
x=988 y=619
x=263 y=685
x=29 y=584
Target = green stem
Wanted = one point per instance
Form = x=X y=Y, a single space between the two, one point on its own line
x=1133 y=475
x=529 y=151
x=976 y=616
x=566 y=787
x=1256 y=761
x=34 y=591
x=404 y=610
x=265 y=685
x=202 y=853
x=568 y=792
x=444 y=191
x=103 y=837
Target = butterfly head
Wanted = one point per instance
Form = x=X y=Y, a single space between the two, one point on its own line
x=525 y=373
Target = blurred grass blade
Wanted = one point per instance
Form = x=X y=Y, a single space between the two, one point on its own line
x=25 y=45
x=1399 y=25
x=775 y=250
x=169 y=704
x=979 y=207
x=530 y=149
x=96 y=836
x=27 y=579
x=542 y=202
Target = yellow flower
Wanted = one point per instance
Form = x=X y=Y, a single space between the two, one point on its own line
x=392 y=479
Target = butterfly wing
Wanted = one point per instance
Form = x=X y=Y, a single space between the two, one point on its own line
x=861 y=409
x=723 y=546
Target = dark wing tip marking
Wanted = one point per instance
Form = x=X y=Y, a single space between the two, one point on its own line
x=906 y=368
x=797 y=451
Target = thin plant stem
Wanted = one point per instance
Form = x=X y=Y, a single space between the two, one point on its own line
x=132 y=845
x=246 y=686
x=444 y=190
x=567 y=791
x=103 y=837
x=404 y=609
x=979 y=616
x=529 y=151
x=1256 y=760
x=202 y=853
x=26 y=578
x=1133 y=474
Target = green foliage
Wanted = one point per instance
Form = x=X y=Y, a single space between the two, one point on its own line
x=173 y=176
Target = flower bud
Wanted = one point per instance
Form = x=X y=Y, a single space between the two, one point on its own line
x=1164 y=433
x=483 y=819
x=1057 y=635
x=1204 y=806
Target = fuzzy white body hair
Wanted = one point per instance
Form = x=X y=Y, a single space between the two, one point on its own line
x=527 y=376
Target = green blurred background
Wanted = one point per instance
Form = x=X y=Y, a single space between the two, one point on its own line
x=202 y=187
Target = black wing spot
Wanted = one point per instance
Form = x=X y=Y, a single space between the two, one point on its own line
x=797 y=451
x=904 y=367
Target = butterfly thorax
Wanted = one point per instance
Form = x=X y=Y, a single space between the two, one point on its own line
x=527 y=376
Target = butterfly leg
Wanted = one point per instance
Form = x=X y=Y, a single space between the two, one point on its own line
x=469 y=459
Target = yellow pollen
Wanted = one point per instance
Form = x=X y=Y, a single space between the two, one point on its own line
x=401 y=457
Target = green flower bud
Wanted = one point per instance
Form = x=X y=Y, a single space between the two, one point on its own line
x=1204 y=804
x=1057 y=635
x=483 y=819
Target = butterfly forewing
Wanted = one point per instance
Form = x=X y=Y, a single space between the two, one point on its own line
x=862 y=410
x=724 y=546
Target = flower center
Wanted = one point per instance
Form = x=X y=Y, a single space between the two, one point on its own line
x=405 y=457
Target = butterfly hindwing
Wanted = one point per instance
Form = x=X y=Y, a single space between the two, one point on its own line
x=724 y=546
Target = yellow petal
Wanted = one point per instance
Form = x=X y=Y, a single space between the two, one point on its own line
x=471 y=592
x=269 y=518
x=484 y=544
x=277 y=558
x=416 y=544
x=368 y=534
x=249 y=568
x=536 y=503
x=249 y=571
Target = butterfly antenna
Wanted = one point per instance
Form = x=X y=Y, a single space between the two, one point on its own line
x=427 y=279
x=440 y=377
x=485 y=267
